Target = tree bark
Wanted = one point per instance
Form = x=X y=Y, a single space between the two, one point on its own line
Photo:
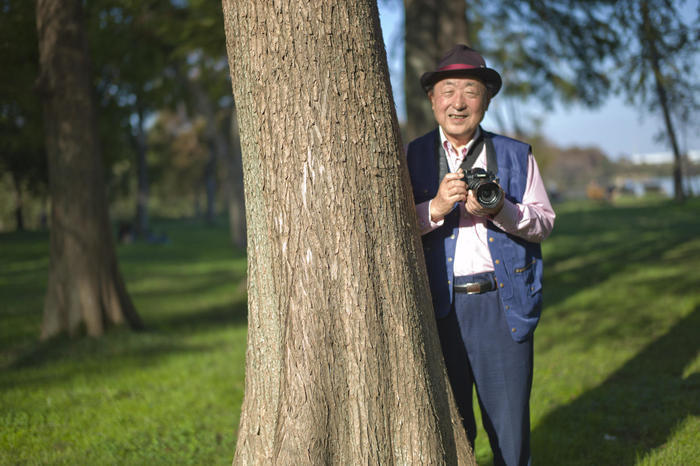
x=343 y=361
x=84 y=284
x=432 y=28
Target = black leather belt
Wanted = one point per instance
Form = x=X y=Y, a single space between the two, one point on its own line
x=480 y=286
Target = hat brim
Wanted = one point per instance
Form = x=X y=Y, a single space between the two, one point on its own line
x=490 y=78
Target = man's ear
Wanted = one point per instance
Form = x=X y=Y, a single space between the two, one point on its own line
x=488 y=101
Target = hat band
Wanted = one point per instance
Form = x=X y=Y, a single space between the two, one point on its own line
x=458 y=66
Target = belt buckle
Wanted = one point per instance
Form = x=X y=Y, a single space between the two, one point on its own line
x=476 y=288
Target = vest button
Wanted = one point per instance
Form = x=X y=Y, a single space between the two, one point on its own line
x=507 y=307
x=452 y=237
x=490 y=240
x=513 y=330
x=497 y=261
x=500 y=285
x=449 y=259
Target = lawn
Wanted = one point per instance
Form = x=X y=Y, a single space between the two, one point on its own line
x=617 y=363
x=168 y=395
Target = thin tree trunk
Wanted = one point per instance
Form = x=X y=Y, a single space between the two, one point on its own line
x=234 y=174
x=142 y=222
x=432 y=28
x=84 y=284
x=343 y=361
x=217 y=148
x=19 y=216
x=679 y=195
x=210 y=185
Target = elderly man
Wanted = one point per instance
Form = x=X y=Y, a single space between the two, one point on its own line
x=482 y=249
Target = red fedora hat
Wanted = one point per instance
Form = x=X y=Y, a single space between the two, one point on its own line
x=462 y=61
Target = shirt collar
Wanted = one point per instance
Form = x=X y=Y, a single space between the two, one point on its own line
x=444 y=140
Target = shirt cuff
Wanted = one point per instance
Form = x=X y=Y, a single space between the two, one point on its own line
x=509 y=216
x=425 y=223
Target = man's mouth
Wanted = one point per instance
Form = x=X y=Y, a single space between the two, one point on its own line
x=458 y=117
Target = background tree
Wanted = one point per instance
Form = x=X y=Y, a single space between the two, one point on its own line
x=432 y=27
x=545 y=51
x=180 y=59
x=21 y=151
x=135 y=80
x=84 y=285
x=657 y=61
x=343 y=362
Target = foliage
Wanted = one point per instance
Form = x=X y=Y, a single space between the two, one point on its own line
x=162 y=44
x=665 y=41
x=21 y=131
x=616 y=360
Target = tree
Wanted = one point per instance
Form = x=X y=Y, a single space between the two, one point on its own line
x=432 y=28
x=84 y=285
x=135 y=81
x=21 y=151
x=343 y=360
x=656 y=63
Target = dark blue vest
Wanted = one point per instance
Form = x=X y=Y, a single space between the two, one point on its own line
x=517 y=262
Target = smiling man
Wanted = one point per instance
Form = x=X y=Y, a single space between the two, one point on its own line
x=483 y=212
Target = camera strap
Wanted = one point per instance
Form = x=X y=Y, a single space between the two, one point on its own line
x=472 y=155
x=475 y=150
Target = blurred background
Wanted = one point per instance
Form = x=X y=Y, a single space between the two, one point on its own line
x=605 y=115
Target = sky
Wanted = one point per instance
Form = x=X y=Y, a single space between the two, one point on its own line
x=617 y=128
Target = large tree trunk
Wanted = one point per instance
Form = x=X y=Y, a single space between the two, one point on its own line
x=432 y=28
x=84 y=285
x=343 y=362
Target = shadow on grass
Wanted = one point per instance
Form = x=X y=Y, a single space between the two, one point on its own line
x=589 y=247
x=120 y=349
x=633 y=411
x=209 y=319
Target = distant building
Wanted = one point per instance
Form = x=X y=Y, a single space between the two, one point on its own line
x=660 y=158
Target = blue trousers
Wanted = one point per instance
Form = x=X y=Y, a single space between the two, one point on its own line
x=479 y=351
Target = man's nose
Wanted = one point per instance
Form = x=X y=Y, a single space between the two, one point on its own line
x=460 y=102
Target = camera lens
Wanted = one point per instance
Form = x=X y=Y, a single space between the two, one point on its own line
x=488 y=194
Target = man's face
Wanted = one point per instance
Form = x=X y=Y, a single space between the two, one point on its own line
x=459 y=105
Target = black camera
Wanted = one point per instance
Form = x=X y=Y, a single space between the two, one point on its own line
x=485 y=186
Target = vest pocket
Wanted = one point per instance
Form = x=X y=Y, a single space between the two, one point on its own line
x=528 y=278
x=526 y=267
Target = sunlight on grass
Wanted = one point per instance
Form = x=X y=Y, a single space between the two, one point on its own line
x=617 y=362
x=168 y=395
x=618 y=335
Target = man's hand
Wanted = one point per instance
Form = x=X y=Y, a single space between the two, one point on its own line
x=473 y=207
x=452 y=189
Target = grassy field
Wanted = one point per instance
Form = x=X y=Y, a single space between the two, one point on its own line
x=617 y=364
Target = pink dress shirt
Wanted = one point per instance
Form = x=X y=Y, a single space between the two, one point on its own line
x=533 y=219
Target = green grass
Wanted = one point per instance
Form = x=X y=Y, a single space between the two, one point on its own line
x=168 y=395
x=617 y=363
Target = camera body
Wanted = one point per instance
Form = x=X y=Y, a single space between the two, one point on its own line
x=485 y=186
